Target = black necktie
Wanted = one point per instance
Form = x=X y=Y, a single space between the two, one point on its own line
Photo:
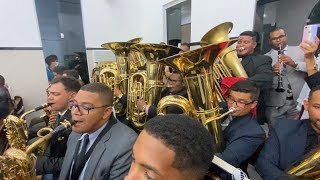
x=78 y=161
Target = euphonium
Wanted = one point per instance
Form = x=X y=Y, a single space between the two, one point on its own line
x=308 y=168
x=19 y=163
x=196 y=69
x=228 y=56
x=148 y=84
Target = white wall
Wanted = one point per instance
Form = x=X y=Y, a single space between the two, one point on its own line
x=292 y=16
x=205 y=14
x=24 y=70
x=19 y=26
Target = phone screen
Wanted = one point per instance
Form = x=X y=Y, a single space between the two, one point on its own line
x=310 y=31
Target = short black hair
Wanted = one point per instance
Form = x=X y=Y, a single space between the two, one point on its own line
x=2 y=81
x=59 y=70
x=276 y=29
x=102 y=90
x=188 y=138
x=70 y=84
x=313 y=90
x=246 y=86
x=254 y=35
x=51 y=58
x=71 y=73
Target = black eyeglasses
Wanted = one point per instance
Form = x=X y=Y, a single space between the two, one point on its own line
x=241 y=104
x=173 y=81
x=276 y=38
x=84 y=110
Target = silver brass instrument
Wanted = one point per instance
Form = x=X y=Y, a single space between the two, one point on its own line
x=147 y=84
x=196 y=69
x=280 y=87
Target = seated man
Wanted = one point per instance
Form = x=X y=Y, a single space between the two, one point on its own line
x=290 y=141
x=60 y=92
x=175 y=86
x=99 y=147
x=171 y=147
x=243 y=135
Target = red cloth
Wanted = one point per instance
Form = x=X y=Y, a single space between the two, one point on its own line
x=227 y=82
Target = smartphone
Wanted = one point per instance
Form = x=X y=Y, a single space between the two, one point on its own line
x=310 y=31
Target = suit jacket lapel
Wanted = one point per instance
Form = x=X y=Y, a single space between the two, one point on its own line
x=245 y=60
x=96 y=156
x=69 y=155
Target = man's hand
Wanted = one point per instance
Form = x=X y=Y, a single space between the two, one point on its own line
x=309 y=48
x=276 y=68
x=141 y=105
x=287 y=60
x=53 y=117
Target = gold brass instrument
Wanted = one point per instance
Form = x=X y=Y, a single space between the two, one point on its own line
x=228 y=56
x=280 y=87
x=196 y=69
x=16 y=128
x=147 y=84
x=19 y=163
x=308 y=168
x=135 y=40
x=46 y=130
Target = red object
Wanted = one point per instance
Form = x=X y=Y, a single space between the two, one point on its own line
x=227 y=82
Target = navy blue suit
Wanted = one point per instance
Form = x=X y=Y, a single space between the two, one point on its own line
x=242 y=137
x=286 y=145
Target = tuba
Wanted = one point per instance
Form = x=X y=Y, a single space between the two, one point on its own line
x=228 y=59
x=147 y=84
x=196 y=69
x=19 y=163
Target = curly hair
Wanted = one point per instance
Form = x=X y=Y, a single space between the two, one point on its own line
x=191 y=142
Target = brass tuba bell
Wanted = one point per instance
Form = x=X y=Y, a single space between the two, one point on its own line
x=196 y=69
x=228 y=56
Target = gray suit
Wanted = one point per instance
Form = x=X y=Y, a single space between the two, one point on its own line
x=111 y=157
x=283 y=105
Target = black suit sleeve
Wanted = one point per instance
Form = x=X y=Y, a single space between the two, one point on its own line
x=313 y=80
x=263 y=71
x=48 y=165
x=267 y=164
x=152 y=112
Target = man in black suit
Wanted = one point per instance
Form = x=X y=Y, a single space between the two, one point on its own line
x=61 y=91
x=175 y=86
x=258 y=68
x=243 y=135
x=290 y=140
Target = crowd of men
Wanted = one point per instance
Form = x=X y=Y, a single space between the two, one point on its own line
x=99 y=146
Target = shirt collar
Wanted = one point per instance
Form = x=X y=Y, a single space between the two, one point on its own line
x=93 y=136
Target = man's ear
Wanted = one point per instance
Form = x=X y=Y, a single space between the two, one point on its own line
x=254 y=44
x=107 y=113
x=306 y=104
x=254 y=104
x=72 y=95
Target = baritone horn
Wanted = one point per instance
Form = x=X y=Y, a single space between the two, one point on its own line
x=147 y=84
x=196 y=69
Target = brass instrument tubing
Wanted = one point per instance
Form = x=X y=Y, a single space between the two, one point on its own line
x=231 y=110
